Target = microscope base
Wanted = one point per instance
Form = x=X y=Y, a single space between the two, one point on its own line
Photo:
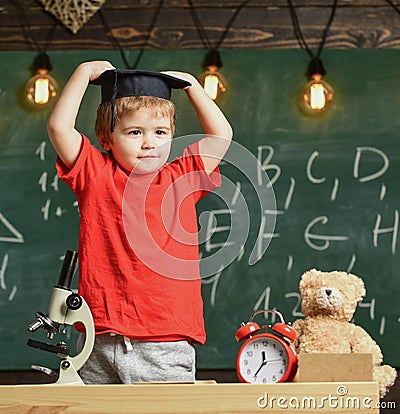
x=68 y=375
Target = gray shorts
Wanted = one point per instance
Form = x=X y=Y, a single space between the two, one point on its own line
x=117 y=360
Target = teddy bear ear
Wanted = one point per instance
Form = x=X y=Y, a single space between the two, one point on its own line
x=306 y=277
x=358 y=285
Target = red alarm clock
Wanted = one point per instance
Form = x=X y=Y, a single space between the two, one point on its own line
x=266 y=357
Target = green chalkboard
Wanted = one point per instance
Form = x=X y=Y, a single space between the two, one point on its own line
x=332 y=200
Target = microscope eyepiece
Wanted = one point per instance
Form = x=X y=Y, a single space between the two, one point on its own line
x=67 y=270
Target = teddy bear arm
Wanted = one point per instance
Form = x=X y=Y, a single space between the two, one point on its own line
x=361 y=342
x=298 y=326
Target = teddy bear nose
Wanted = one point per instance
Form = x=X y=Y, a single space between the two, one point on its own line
x=328 y=292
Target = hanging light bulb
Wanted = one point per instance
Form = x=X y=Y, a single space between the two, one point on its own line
x=317 y=95
x=212 y=80
x=41 y=89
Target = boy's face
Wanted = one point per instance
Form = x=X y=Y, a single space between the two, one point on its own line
x=141 y=141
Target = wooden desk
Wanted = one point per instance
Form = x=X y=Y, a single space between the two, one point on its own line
x=202 y=397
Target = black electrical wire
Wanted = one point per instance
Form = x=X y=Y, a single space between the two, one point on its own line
x=299 y=35
x=296 y=28
x=228 y=26
x=118 y=45
x=200 y=28
x=327 y=27
x=396 y=8
x=28 y=34
x=197 y=22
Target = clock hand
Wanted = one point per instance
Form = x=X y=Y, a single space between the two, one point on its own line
x=275 y=360
x=264 y=362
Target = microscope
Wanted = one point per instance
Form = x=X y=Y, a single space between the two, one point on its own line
x=65 y=308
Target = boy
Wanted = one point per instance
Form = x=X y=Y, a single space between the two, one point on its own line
x=140 y=278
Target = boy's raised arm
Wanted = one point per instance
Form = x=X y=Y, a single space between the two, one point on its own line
x=216 y=127
x=65 y=139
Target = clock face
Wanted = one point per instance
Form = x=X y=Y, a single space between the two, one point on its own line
x=262 y=359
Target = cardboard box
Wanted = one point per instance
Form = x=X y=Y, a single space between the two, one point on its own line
x=334 y=367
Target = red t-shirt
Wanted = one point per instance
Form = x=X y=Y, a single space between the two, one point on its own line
x=138 y=251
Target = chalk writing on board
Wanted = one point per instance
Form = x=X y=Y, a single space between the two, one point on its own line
x=43 y=179
x=3 y=271
x=360 y=152
x=394 y=230
x=357 y=161
x=263 y=302
x=290 y=192
x=40 y=151
x=310 y=176
x=46 y=183
x=319 y=233
x=310 y=237
x=3 y=285
x=264 y=164
x=16 y=237
x=212 y=228
x=351 y=264
x=213 y=280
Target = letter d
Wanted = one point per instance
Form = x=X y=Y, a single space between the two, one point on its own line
x=262 y=402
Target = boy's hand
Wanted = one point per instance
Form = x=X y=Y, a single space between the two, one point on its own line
x=217 y=130
x=65 y=138
x=95 y=68
x=184 y=76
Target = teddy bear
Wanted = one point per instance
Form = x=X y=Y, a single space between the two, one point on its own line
x=328 y=301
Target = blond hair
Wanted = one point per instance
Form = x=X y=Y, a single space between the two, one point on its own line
x=161 y=107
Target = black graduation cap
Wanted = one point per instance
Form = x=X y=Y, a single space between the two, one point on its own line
x=119 y=83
